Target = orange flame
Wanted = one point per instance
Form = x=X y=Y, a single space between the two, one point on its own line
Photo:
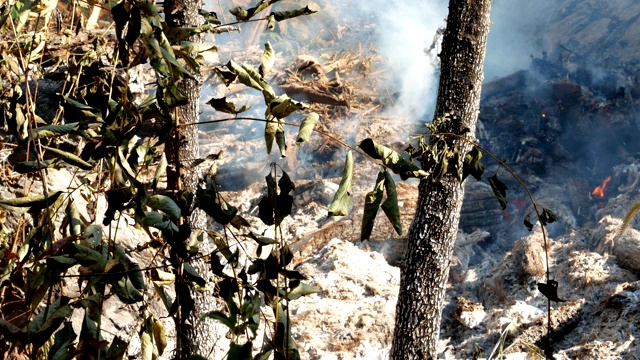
x=599 y=190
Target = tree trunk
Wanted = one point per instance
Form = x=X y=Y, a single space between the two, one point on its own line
x=193 y=337
x=432 y=235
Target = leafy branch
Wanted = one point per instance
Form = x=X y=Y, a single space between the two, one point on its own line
x=98 y=108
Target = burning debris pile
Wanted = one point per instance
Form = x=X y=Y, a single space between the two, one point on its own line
x=598 y=192
x=562 y=128
x=567 y=127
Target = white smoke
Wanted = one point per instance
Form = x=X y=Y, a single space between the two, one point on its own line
x=510 y=44
x=405 y=32
x=407 y=29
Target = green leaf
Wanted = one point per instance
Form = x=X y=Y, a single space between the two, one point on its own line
x=169 y=56
x=219 y=316
x=126 y=291
x=272 y=187
x=77 y=110
x=164 y=296
x=191 y=62
x=12 y=332
x=253 y=72
x=32 y=166
x=240 y=352
x=160 y=65
x=177 y=34
x=244 y=75
x=244 y=15
x=62 y=343
x=299 y=289
x=371 y=204
x=257 y=266
x=280 y=140
x=159 y=336
x=284 y=204
x=307 y=126
x=87 y=257
x=283 y=106
x=342 y=199
x=129 y=288
x=265 y=352
x=132 y=268
x=271 y=22
x=73 y=217
x=271 y=129
x=267 y=92
x=284 y=15
x=193 y=275
x=210 y=17
x=22 y=125
x=285 y=183
x=117 y=198
x=164 y=204
x=89 y=334
x=293 y=274
x=390 y=204
x=223 y=213
x=51 y=131
x=499 y=190
x=441 y=165
x=227 y=107
x=250 y=309
x=208 y=51
x=174 y=97
x=225 y=75
x=59 y=263
x=147 y=346
x=70 y=158
x=472 y=166
x=391 y=159
x=38 y=201
x=240 y=13
x=263 y=240
x=156 y=220
x=160 y=170
x=455 y=164
x=266 y=61
x=527 y=221
x=117 y=349
x=40 y=330
x=128 y=21
x=285 y=345
x=547 y=217
x=239 y=222
x=93 y=235
x=286 y=256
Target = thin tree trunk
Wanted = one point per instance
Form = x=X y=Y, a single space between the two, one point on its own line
x=193 y=337
x=432 y=235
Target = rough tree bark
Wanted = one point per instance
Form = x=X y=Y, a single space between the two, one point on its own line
x=432 y=235
x=193 y=337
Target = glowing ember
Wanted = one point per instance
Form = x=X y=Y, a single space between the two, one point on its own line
x=599 y=190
